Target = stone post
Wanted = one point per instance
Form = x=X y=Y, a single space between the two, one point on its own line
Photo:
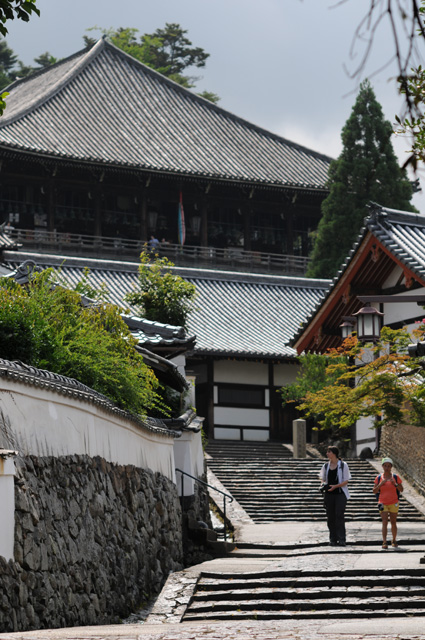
x=299 y=438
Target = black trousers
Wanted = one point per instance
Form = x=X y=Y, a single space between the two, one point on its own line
x=335 y=504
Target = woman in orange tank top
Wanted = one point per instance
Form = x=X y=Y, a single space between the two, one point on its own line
x=388 y=486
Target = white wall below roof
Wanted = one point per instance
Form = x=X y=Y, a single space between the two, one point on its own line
x=284 y=374
x=235 y=416
x=42 y=422
x=241 y=372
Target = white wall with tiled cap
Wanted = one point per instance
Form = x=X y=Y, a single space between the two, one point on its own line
x=42 y=422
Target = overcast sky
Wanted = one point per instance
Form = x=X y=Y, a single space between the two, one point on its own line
x=278 y=63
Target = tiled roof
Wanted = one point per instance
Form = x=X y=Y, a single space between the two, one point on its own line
x=402 y=233
x=102 y=106
x=236 y=314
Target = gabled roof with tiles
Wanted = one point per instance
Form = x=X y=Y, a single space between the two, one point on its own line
x=388 y=238
x=104 y=107
x=236 y=314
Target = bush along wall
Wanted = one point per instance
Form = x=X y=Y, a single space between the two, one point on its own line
x=93 y=540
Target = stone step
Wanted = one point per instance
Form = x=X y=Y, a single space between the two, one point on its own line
x=337 y=614
x=280 y=488
x=312 y=594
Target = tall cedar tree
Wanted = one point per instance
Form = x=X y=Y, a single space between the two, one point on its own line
x=366 y=170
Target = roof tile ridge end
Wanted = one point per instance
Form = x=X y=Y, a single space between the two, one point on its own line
x=81 y=63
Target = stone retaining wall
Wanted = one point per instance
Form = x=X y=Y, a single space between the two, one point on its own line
x=406 y=445
x=92 y=541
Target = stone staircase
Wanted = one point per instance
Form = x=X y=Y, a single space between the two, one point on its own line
x=330 y=594
x=273 y=487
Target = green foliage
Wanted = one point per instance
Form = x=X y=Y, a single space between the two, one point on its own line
x=312 y=376
x=45 y=325
x=11 y=68
x=167 y=50
x=209 y=95
x=366 y=170
x=378 y=381
x=11 y=9
x=162 y=295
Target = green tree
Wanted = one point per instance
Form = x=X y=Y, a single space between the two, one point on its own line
x=162 y=295
x=366 y=170
x=313 y=375
x=167 y=50
x=11 y=68
x=9 y=10
x=20 y=9
x=378 y=381
x=45 y=325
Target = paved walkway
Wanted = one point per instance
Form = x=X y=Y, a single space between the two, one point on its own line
x=289 y=545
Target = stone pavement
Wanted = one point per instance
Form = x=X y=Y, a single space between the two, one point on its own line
x=289 y=546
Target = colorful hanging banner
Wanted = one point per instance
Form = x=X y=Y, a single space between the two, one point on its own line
x=181 y=222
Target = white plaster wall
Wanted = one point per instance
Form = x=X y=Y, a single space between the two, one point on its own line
x=7 y=502
x=256 y=435
x=234 y=416
x=221 y=433
x=365 y=430
x=237 y=372
x=189 y=457
x=284 y=374
x=41 y=422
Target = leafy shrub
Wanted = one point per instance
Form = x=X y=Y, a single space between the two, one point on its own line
x=45 y=325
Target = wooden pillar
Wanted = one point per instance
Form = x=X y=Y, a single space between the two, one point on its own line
x=247 y=214
x=289 y=234
x=51 y=204
x=204 y=223
x=97 y=195
x=143 y=216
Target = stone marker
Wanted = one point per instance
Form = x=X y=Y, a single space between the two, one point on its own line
x=299 y=438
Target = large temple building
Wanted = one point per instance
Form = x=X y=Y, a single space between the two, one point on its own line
x=101 y=146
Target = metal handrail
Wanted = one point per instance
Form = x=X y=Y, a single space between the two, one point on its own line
x=226 y=495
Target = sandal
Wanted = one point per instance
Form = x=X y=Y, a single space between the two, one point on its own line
x=394 y=544
x=385 y=545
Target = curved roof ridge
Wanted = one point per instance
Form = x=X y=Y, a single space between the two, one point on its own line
x=379 y=214
x=85 y=56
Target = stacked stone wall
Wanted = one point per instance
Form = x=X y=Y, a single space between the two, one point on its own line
x=92 y=541
x=405 y=444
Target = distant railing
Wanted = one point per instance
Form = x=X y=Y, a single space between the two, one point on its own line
x=231 y=258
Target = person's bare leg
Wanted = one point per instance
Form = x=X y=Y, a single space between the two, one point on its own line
x=384 y=516
x=393 y=520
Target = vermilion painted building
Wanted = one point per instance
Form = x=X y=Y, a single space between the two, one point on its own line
x=388 y=263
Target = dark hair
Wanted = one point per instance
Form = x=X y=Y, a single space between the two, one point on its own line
x=334 y=450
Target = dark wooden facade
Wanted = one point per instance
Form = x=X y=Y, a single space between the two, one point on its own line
x=73 y=162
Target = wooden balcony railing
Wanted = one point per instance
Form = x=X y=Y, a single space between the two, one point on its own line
x=230 y=258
